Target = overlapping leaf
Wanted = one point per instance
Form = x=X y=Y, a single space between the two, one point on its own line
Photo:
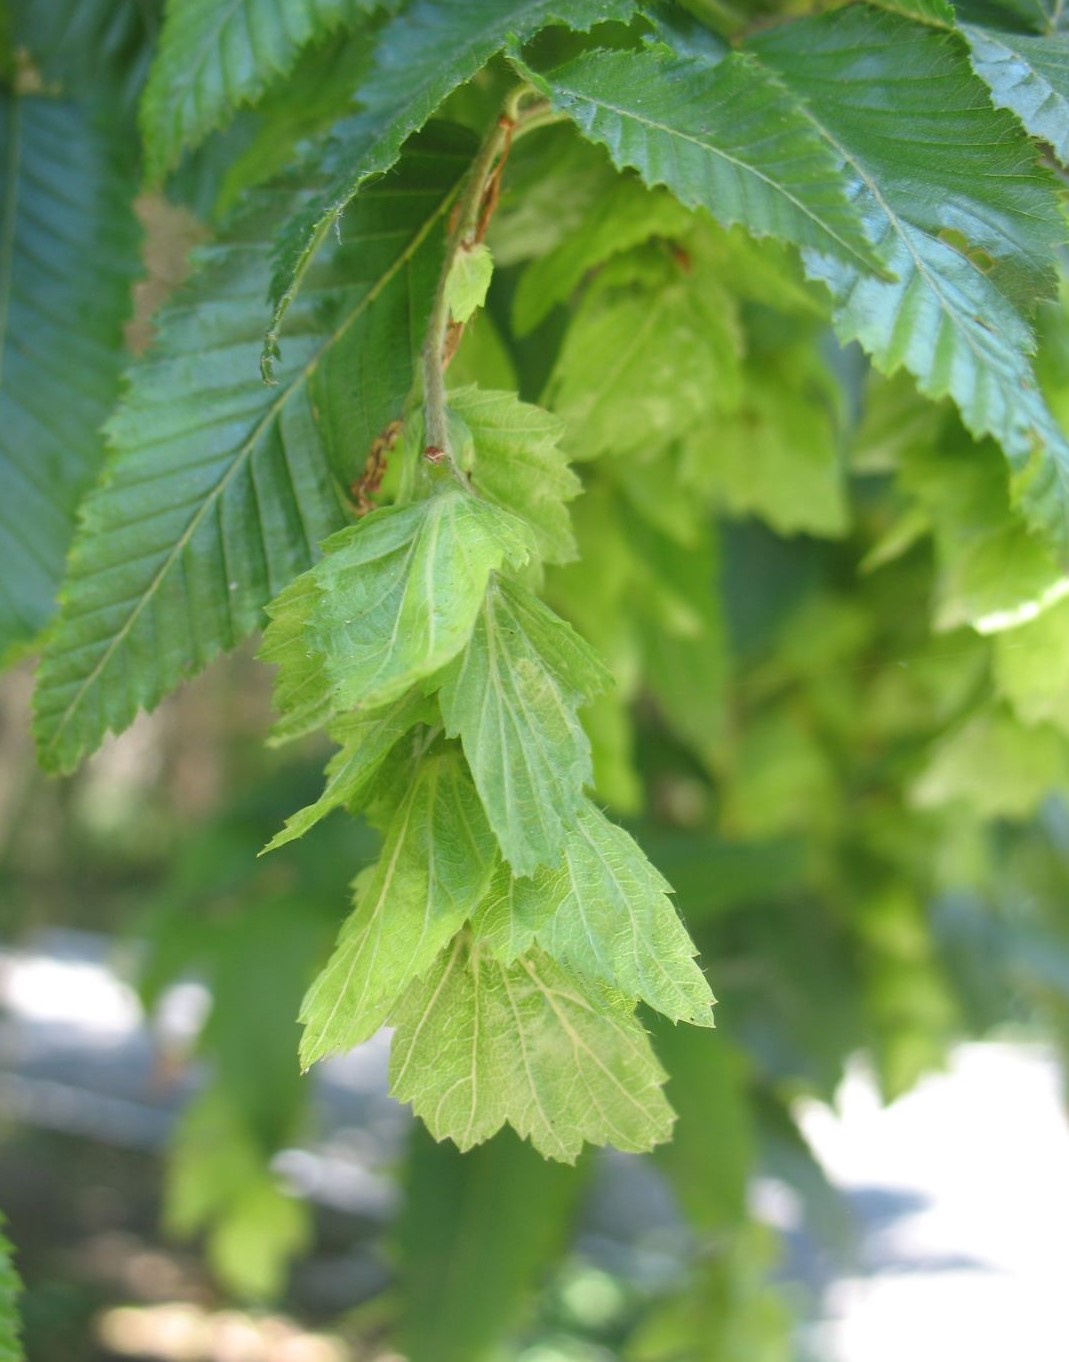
x=605 y=913
x=1029 y=75
x=422 y=56
x=617 y=221
x=480 y=1044
x=517 y=463
x=215 y=55
x=512 y=697
x=646 y=362
x=217 y=489
x=969 y=228
x=367 y=738
x=777 y=456
x=68 y=254
x=722 y=135
x=394 y=600
x=436 y=862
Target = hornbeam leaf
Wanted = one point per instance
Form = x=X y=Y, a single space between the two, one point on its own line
x=303 y=695
x=605 y=913
x=968 y=221
x=645 y=364
x=517 y=464
x=217 y=489
x=512 y=696
x=995 y=765
x=88 y=46
x=68 y=254
x=778 y=455
x=1029 y=76
x=215 y=55
x=1031 y=668
x=624 y=217
x=10 y=1346
x=725 y=136
x=436 y=862
x=394 y=599
x=480 y=1044
x=367 y=738
x=422 y=56
x=469 y=280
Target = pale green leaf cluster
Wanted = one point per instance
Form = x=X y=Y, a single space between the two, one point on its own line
x=479 y=1043
x=412 y=632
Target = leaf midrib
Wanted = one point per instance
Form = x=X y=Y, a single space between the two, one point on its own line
x=735 y=161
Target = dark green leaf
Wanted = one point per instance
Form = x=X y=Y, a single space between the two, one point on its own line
x=217 y=489
x=422 y=56
x=68 y=254
x=966 y=219
x=215 y=55
x=724 y=136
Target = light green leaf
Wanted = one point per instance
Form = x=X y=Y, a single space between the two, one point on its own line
x=993 y=573
x=367 y=738
x=511 y=696
x=422 y=56
x=645 y=364
x=518 y=464
x=215 y=55
x=68 y=255
x=995 y=765
x=469 y=280
x=394 y=599
x=480 y=1044
x=437 y=859
x=777 y=456
x=209 y=507
x=1030 y=77
x=10 y=1288
x=967 y=221
x=721 y=135
x=218 y=1180
x=624 y=217
x=604 y=913
x=1031 y=668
